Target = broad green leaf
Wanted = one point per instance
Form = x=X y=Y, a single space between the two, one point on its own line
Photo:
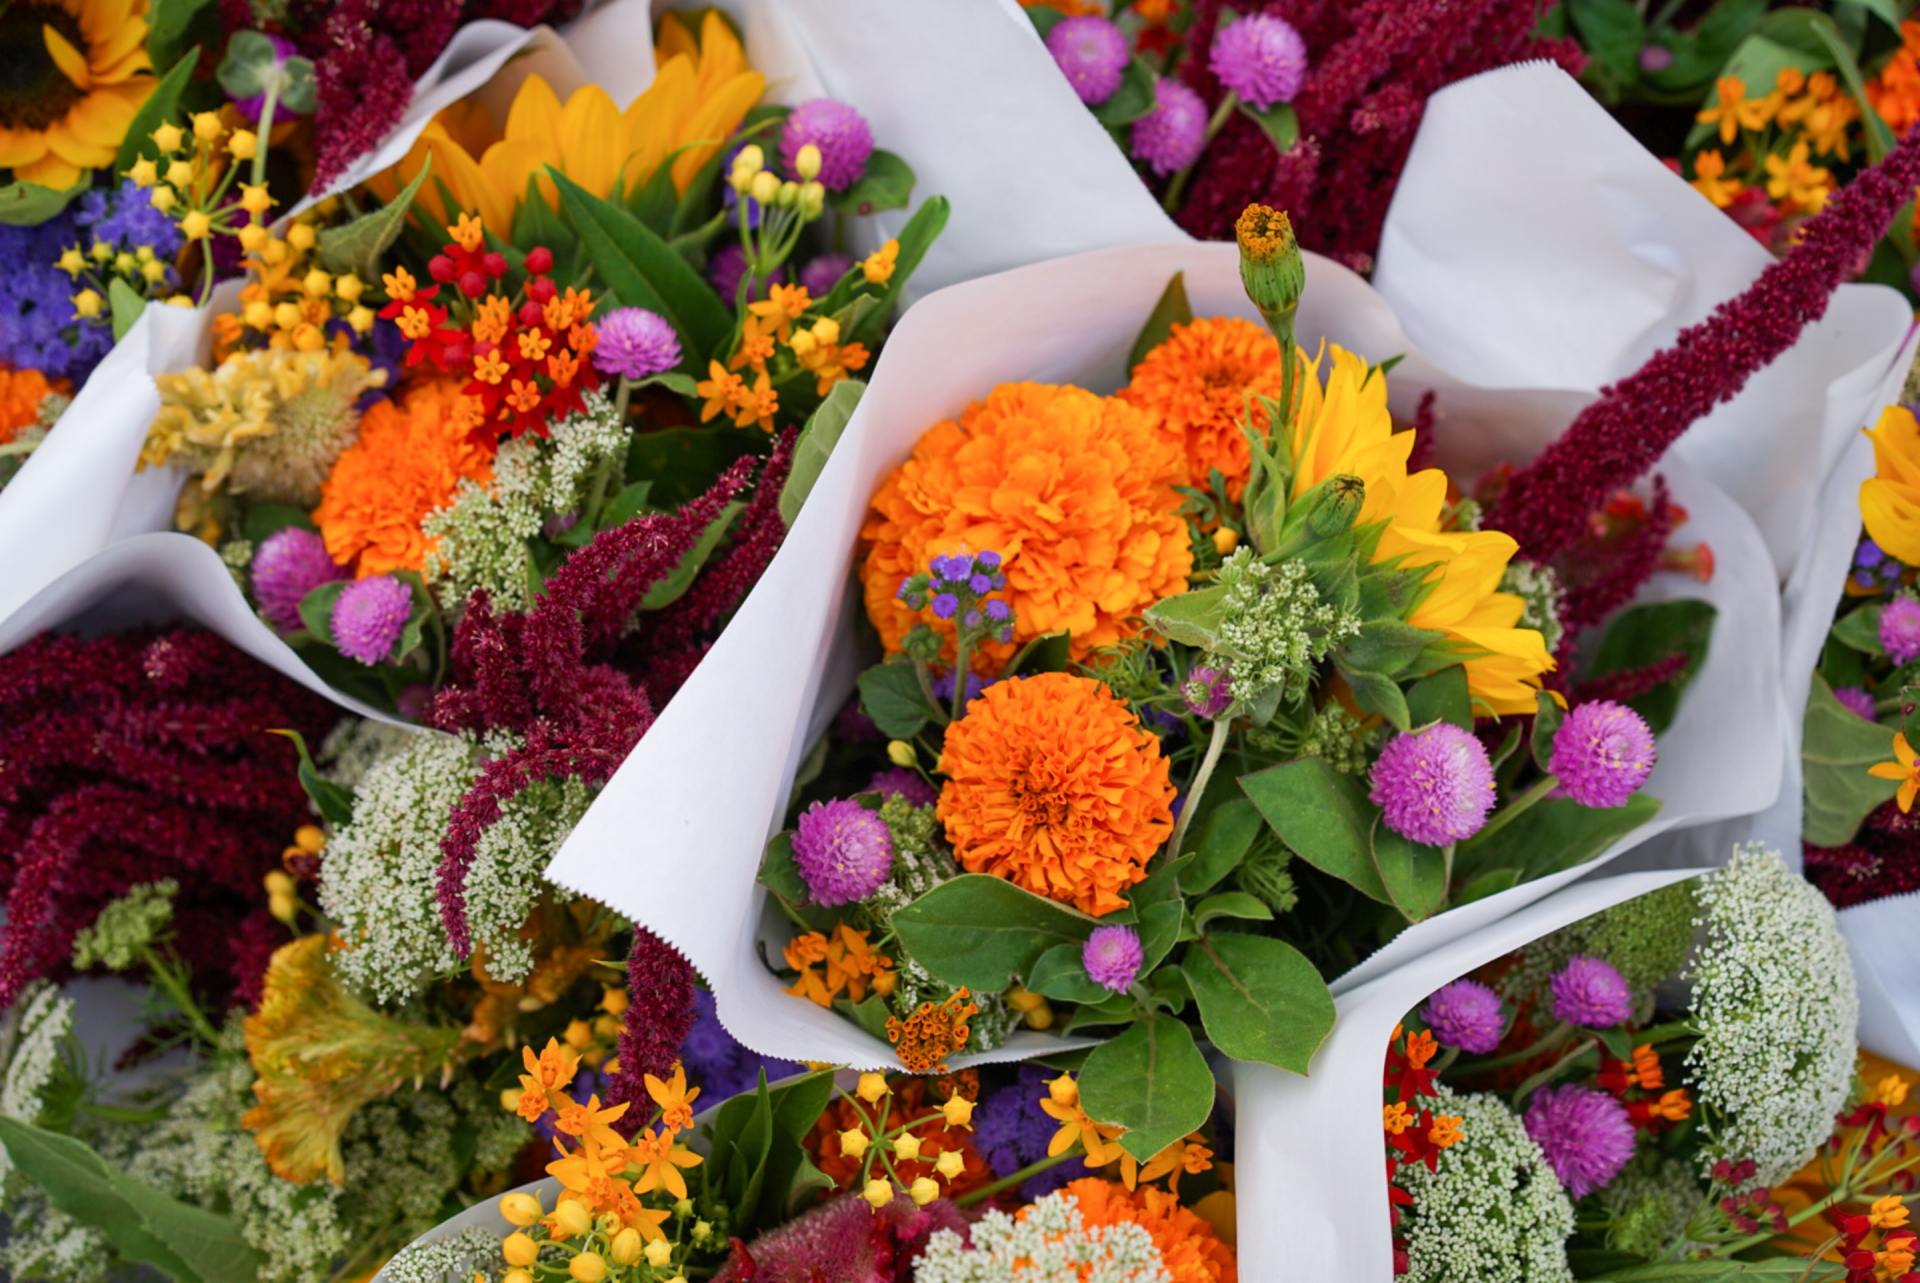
x=1279 y=122
x=357 y=246
x=1441 y=698
x=266 y=518
x=778 y=872
x=1376 y=692
x=1612 y=32
x=1860 y=630
x=683 y=462
x=1324 y=818
x=870 y=1013
x=1152 y=1081
x=1060 y=974
x=1260 y=999
x=161 y=105
x=1837 y=747
x=25 y=204
x=1414 y=875
x=1226 y=835
x=1492 y=882
x=316 y=608
x=1190 y=618
x=886 y=184
x=1888 y=11
x=1230 y=904
x=127 y=306
x=170 y=23
x=1807 y=27
x=815 y=446
x=891 y=695
x=1757 y=61
x=1172 y=309
x=984 y=932
x=1048 y=653
x=1132 y=100
x=675 y=585
x=1553 y=834
x=915 y=239
x=1116 y=1010
x=1385 y=646
x=1159 y=929
x=1044 y=18
x=334 y=803
x=625 y=505
x=1646 y=634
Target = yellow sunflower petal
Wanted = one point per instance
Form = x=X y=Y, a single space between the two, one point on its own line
x=673 y=40
x=535 y=113
x=49 y=171
x=716 y=118
x=69 y=145
x=101 y=19
x=71 y=62
x=592 y=142
x=652 y=120
x=20 y=147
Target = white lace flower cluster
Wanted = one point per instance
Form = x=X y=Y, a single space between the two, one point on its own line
x=1052 y=1243
x=1775 y=1004
x=33 y=1037
x=1493 y=1212
x=456 y=1259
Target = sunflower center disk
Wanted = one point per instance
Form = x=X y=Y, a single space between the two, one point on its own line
x=34 y=93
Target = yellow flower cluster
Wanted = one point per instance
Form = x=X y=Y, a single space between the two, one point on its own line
x=875 y=1144
x=1803 y=116
x=289 y=298
x=776 y=333
x=193 y=178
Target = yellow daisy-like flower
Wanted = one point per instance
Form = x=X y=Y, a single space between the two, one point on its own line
x=77 y=72
x=1890 y=499
x=1732 y=111
x=1904 y=767
x=673 y=1098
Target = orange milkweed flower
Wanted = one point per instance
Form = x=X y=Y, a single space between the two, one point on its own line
x=673 y=1098
x=1905 y=768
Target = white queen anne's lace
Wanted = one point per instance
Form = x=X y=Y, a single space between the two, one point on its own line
x=1052 y=1243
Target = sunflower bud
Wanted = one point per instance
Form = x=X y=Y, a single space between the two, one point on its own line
x=1270 y=265
x=1340 y=500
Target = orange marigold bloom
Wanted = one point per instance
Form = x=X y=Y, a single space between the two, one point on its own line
x=1200 y=382
x=408 y=461
x=1075 y=491
x=1189 y=1248
x=1054 y=785
x=21 y=392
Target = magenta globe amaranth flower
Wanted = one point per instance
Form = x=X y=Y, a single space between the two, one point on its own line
x=823 y=272
x=838 y=130
x=1858 y=701
x=1591 y=992
x=636 y=343
x=1465 y=1014
x=1433 y=786
x=1585 y=1135
x=909 y=786
x=289 y=564
x=1091 y=53
x=1900 y=629
x=1112 y=957
x=369 y=616
x=1261 y=58
x=843 y=851
x=1602 y=753
x=1172 y=135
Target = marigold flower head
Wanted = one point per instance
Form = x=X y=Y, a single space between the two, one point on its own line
x=1054 y=785
x=1201 y=383
x=1190 y=1249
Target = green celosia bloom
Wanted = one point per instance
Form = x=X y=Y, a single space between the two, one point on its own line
x=1647 y=940
x=125 y=927
x=1651 y=1201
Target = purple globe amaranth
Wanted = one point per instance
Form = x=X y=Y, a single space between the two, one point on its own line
x=838 y=130
x=1585 y=1135
x=1857 y=700
x=1173 y=134
x=1465 y=1014
x=1261 y=58
x=1602 y=753
x=1112 y=957
x=1900 y=629
x=843 y=851
x=289 y=564
x=1433 y=786
x=1092 y=54
x=824 y=271
x=907 y=785
x=369 y=616
x=1591 y=992
x=636 y=343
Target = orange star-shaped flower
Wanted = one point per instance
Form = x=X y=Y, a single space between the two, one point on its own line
x=673 y=1098
x=1902 y=768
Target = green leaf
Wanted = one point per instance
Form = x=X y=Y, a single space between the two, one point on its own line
x=1045 y=18
x=160 y=106
x=778 y=872
x=1226 y=835
x=1152 y=1081
x=1646 y=634
x=815 y=446
x=675 y=585
x=144 y=1225
x=1047 y=653
x=625 y=504
x=1553 y=834
x=1060 y=974
x=887 y=183
x=357 y=246
x=170 y=23
x=1492 y=882
x=127 y=306
x=1442 y=698
x=1837 y=747
x=1259 y=998
x=1888 y=11
x=1378 y=693
x=316 y=608
x=983 y=932
x=1172 y=309
x=1385 y=646
x=1612 y=32
x=1757 y=61
x=891 y=695
x=683 y=462
x=757 y=1160
x=1118 y=1009
x=1159 y=930
x=1132 y=100
x=249 y=66
x=870 y=1013
x=24 y=204
x=334 y=803
x=1860 y=630
x=1547 y=716
x=1230 y=904
x=1414 y=875
x=1191 y=618
x=1324 y=818
x=267 y=518
x=1279 y=122
x=915 y=239
x=642 y=270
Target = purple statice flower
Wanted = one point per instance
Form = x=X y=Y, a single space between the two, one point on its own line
x=1171 y=136
x=126 y=219
x=843 y=850
x=1591 y=992
x=1091 y=53
x=369 y=616
x=1112 y=957
x=717 y=1062
x=1603 y=753
x=1465 y=1014
x=1585 y=1135
x=1655 y=59
x=636 y=343
x=289 y=564
x=1261 y=58
x=1208 y=692
x=838 y=130
x=909 y=786
x=1900 y=629
x=1433 y=786
x=728 y=267
x=1857 y=699
x=823 y=272
x=1011 y=1131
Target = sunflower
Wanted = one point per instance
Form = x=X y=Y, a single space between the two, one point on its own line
x=1200 y=382
x=1890 y=498
x=73 y=73
x=697 y=99
x=1344 y=427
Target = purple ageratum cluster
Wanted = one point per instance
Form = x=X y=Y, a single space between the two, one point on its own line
x=369 y=616
x=1857 y=699
x=1112 y=957
x=289 y=564
x=838 y=130
x=959 y=587
x=909 y=786
x=1585 y=1135
x=1900 y=629
x=1011 y=1131
x=1092 y=53
x=636 y=343
x=1602 y=754
x=1465 y=1014
x=843 y=851
x=1171 y=136
x=823 y=272
x=1261 y=58
x=1873 y=570
x=1592 y=993
x=717 y=1062
x=1433 y=786
x=1208 y=691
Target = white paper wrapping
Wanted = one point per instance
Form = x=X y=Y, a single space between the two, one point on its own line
x=788 y=658
x=1308 y=1152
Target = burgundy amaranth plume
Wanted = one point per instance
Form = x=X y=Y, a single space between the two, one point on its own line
x=1614 y=441
x=660 y=1013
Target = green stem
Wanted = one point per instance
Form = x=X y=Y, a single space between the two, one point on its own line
x=171 y=982
x=1546 y=1042
x=1518 y=806
x=1020 y=1177
x=1215 y=124
x=1215 y=744
x=961 y=659
x=266 y=130
x=1546 y=1075
x=120 y=1114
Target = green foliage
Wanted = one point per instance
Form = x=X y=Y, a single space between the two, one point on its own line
x=1132 y=100
x=127 y=304
x=334 y=803
x=24 y=204
x=1151 y=1080
x=815 y=446
x=161 y=105
x=1259 y=999
x=1279 y=123
x=674 y=585
x=1554 y=833
x=1170 y=310
x=886 y=184
x=1225 y=836
x=892 y=696
x=758 y=1163
x=1324 y=817
x=357 y=246
x=984 y=932
x=1837 y=747
x=1646 y=634
x=1441 y=698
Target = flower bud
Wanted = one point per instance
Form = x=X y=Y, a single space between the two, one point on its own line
x=252 y=237
x=1270 y=265
x=813 y=199
x=950 y=1164
x=878 y=1193
x=788 y=195
x=871 y=1087
x=162 y=199
x=907 y=1146
x=180 y=173
x=196 y=226
x=806 y=162
x=571 y=1219
x=924 y=1191
x=1225 y=540
x=207 y=126
x=588 y=1267
x=87 y=303
x=516 y=1276
x=625 y=1248
x=348 y=288
x=659 y=1252
x=277 y=883
x=853 y=1143
x=520 y=1209
x=518 y=1249
x=900 y=753
x=1340 y=500
x=283 y=907
x=765 y=187
x=301 y=236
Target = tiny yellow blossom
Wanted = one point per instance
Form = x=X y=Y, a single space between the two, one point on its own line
x=806 y=162
x=286 y=315
x=813 y=198
x=588 y=1267
x=252 y=237
x=871 y=1087
x=144 y=172
x=626 y=1246
x=878 y=266
x=243 y=144
x=277 y=883
x=124 y=263
x=162 y=199
x=1225 y=540
x=878 y=1193
x=900 y=753
x=168 y=137
x=284 y=908
x=518 y=1249
x=301 y=236
x=273 y=251
x=348 y=289
x=361 y=319
x=100 y=251
x=1063 y=1090
x=659 y=1252
x=317 y=283
x=72 y=261
x=516 y=1276
x=520 y=1209
x=254 y=198
x=207 y=126
x=579 y=1035
x=258 y=314
x=180 y=173
x=154 y=271
x=853 y=1143
x=907 y=1146
x=87 y=303
x=571 y=1219
x=950 y=1163
x=765 y=186
x=614 y=1000
x=924 y=1190
x=195 y=225
x=958 y=1111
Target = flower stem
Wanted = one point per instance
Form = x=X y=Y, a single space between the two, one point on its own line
x=1518 y=806
x=1020 y=1177
x=1546 y=1042
x=1215 y=124
x=1216 y=743
x=1546 y=1075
